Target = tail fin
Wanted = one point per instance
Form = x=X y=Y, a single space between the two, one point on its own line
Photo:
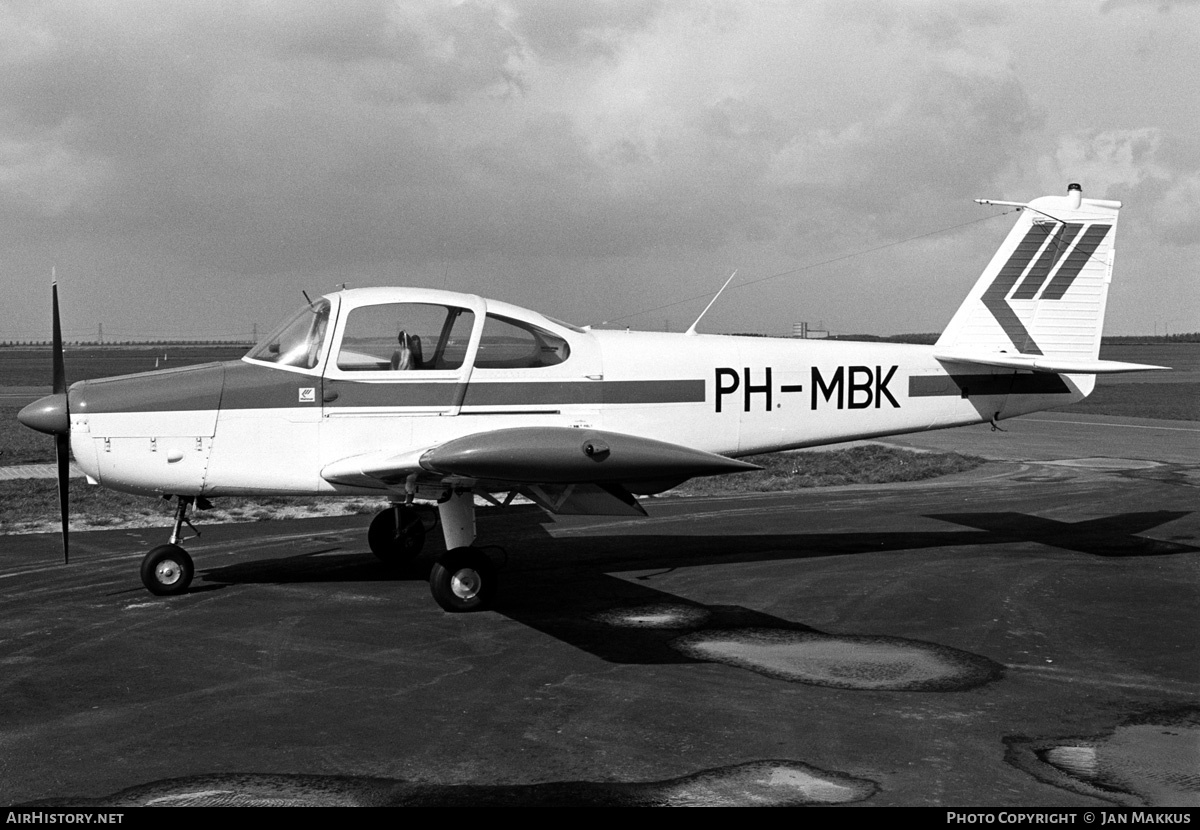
x=1044 y=292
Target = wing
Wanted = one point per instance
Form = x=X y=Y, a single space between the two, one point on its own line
x=565 y=470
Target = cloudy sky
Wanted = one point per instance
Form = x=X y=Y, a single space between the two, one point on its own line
x=190 y=167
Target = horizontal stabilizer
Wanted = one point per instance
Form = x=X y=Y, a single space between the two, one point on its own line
x=1040 y=363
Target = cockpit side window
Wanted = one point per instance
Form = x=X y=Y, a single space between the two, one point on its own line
x=513 y=344
x=405 y=337
x=298 y=341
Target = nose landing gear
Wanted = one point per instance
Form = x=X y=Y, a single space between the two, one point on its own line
x=167 y=569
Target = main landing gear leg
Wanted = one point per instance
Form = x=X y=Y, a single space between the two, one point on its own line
x=167 y=569
x=463 y=578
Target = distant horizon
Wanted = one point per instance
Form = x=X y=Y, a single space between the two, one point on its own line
x=1182 y=337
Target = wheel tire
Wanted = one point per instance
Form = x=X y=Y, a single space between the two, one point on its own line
x=167 y=570
x=395 y=547
x=463 y=580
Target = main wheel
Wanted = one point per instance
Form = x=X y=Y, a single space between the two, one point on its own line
x=463 y=579
x=167 y=570
x=397 y=534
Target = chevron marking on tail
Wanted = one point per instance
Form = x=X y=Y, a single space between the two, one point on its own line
x=1052 y=245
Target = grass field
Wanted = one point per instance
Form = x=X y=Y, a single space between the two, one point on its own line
x=867 y=464
x=31 y=365
x=1168 y=401
x=31 y=506
x=19 y=445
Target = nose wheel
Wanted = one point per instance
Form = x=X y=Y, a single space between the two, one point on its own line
x=167 y=570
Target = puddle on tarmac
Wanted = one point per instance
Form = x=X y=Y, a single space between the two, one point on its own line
x=1151 y=761
x=788 y=651
x=758 y=783
x=664 y=615
x=766 y=783
x=844 y=662
x=1106 y=463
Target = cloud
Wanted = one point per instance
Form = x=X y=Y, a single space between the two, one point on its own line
x=255 y=136
x=1178 y=213
x=570 y=32
x=1162 y=188
x=1105 y=161
x=1162 y=6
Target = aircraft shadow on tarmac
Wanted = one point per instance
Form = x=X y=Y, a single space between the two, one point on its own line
x=628 y=622
x=582 y=556
x=593 y=555
x=562 y=586
x=1110 y=536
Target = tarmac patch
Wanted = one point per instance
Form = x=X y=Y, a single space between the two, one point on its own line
x=1151 y=760
x=844 y=662
x=757 y=783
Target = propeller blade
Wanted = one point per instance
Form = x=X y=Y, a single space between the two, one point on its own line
x=62 y=446
x=62 y=440
x=60 y=373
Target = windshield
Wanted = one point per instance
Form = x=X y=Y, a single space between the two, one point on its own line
x=298 y=341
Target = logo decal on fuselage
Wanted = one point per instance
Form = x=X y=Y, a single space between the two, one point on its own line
x=1052 y=244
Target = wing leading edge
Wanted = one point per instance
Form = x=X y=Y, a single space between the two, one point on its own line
x=557 y=466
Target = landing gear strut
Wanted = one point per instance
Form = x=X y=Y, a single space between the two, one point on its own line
x=463 y=578
x=167 y=569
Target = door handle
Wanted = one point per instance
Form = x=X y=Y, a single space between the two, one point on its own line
x=329 y=397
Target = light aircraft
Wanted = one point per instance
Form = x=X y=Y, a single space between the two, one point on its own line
x=413 y=392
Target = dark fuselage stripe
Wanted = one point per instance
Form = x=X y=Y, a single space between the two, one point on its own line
x=925 y=386
x=594 y=392
x=536 y=393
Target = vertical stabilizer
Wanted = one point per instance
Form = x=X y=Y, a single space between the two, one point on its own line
x=1045 y=290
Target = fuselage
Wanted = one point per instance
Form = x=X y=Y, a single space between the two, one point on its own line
x=402 y=369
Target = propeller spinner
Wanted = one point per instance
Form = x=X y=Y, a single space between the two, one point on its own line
x=52 y=415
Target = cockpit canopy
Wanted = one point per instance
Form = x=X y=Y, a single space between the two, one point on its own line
x=386 y=336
